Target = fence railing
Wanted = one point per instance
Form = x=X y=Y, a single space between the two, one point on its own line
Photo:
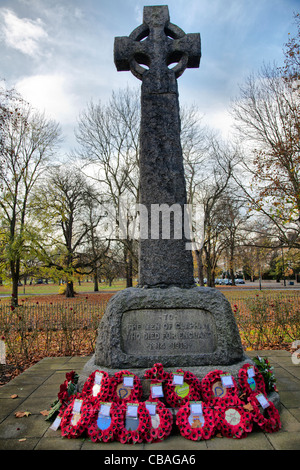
x=267 y=320
x=35 y=330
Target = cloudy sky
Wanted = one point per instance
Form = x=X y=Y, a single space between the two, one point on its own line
x=59 y=53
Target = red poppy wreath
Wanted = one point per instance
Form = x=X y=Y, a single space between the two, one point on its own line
x=66 y=390
x=217 y=385
x=161 y=421
x=76 y=417
x=104 y=422
x=261 y=407
x=157 y=372
x=134 y=424
x=232 y=420
x=97 y=385
x=251 y=380
x=196 y=421
x=124 y=387
x=181 y=387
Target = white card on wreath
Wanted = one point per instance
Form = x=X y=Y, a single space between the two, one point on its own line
x=227 y=381
x=98 y=378
x=262 y=401
x=56 y=423
x=178 y=379
x=157 y=391
x=105 y=409
x=132 y=410
x=128 y=381
x=196 y=408
x=251 y=372
x=77 y=406
x=151 y=407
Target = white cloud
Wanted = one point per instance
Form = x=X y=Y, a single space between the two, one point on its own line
x=220 y=120
x=22 y=34
x=49 y=93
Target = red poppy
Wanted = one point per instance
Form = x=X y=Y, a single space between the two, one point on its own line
x=161 y=423
x=127 y=436
x=271 y=422
x=177 y=396
x=198 y=427
x=157 y=372
x=232 y=420
x=73 y=429
x=103 y=435
x=102 y=392
x=119 y=393
x=251 y=385
x=213 y=390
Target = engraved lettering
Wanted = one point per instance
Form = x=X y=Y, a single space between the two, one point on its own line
x=157 y=331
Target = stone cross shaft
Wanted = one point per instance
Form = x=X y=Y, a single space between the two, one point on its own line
x=148 y=52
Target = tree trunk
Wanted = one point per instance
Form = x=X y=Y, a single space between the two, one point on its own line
x=15 y=294
x=129 y=271
x=15 y=273
x=70 y=289
x=200 y=267
x=128 y=266
x=96 y=285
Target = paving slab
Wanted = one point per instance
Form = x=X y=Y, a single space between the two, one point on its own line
x=38 y=386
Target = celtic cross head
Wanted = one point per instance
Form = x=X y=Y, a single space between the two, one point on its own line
x=150 y=50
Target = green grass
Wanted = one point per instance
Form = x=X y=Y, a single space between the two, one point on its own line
x=45 y=289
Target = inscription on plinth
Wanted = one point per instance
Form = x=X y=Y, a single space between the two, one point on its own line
x=166 y=331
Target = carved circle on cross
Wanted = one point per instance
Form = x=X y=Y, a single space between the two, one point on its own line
x=140 y=34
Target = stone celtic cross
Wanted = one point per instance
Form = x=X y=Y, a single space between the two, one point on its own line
x=149 y=52
x=157 y=43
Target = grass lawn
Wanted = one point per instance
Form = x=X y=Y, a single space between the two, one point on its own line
x=46 y=289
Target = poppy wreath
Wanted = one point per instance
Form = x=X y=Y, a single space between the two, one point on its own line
x=164 y=428
x=232 y=420
x=250 y=386
x=66 y=390
x=104 y=391
x=206 y=431
x=104 y=435
x=67 y=387
x=125 y=436
x=207 y=384
x=172 y=392
x=269 y=424
x=157 y=372
x=67 y=428
x=135 y=392
x=155 y=382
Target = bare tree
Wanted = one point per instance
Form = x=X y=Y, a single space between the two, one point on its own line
x=108 y=138
x=62 y=203
x=267 y=118
x=28 y=141
x=207 y=185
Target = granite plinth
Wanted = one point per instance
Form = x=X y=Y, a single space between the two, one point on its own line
x=180 y=328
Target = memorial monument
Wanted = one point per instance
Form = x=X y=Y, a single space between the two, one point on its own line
x=165 y=319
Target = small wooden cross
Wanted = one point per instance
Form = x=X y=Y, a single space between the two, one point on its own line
x=156 y=44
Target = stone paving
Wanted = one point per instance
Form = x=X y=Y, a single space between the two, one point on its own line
x=38 y=386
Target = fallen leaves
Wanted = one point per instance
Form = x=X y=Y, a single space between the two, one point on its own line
x=44 y=412
x=22 y=414
x=14 y=396
x=248 y=407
